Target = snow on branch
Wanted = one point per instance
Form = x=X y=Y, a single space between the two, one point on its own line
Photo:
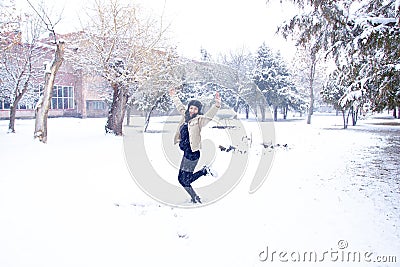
x=354 y=93
x=376 y=21
x=397 y=7
x=350 y=97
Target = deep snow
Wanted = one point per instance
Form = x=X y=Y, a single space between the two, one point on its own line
x=72 y=202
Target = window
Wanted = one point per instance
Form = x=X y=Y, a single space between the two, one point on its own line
x=4 y=104
x=63 y=97
x=38 y=89
x=95 y=105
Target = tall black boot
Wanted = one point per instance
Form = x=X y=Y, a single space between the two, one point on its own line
x=193 y=195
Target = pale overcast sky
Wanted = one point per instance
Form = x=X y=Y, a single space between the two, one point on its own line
x=224 y=25
x=216 y=25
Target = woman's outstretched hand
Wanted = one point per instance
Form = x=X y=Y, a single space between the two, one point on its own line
x=217 y=99
x=172 y=91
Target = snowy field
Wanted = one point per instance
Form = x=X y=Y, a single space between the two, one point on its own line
x=332 y=195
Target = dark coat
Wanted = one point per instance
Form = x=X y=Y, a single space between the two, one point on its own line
x=194 y=125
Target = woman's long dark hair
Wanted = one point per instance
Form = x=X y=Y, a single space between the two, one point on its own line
x=195 y=103
x=187 y=115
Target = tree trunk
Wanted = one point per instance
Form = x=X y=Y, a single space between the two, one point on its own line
x=312 y=75
x=117 y=112
x=247 y=109
x=148 y=116
x=262 y=110
x=236 y=108
x=19 y=94
x=398 y=112
x=311 y=109
x=354 y=116
x=285 y=111
x=348 y=115
x=13 y=111
x=43 y=106
x=11 y=125
x=275 y=113
x=344 y=119
x=128 y=115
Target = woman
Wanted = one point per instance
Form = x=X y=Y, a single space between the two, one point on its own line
x=188 y=135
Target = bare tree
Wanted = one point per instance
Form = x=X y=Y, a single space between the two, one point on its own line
x=16 y=64
x=9 y=25
x=123 y=47
x=17 y=69
x=309 y=69
x=242 y=61
x=51 y=69
x=10 y=38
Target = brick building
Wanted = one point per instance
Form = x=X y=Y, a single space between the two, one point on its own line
x=74 y=94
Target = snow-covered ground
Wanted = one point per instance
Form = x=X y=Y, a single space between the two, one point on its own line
x=332 y=193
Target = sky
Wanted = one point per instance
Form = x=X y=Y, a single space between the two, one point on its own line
x=218 y=26
x=224 y=25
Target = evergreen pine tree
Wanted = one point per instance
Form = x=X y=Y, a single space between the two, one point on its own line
x=273 y=78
